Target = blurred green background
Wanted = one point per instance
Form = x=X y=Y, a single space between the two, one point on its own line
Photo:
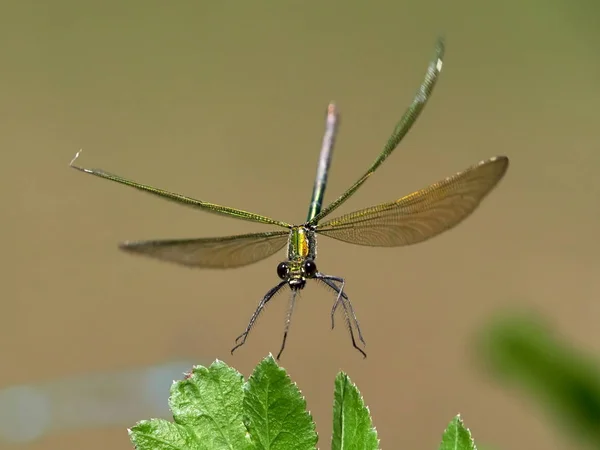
x=224 y=101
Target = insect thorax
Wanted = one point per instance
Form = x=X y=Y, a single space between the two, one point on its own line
x=302 y=244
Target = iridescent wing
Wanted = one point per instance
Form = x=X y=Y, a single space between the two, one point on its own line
x=214 y=253
x=402 y=127
x=421 y=215
x=182 y=199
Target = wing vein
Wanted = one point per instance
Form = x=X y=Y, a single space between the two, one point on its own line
x=420 y=215
x=216 y=253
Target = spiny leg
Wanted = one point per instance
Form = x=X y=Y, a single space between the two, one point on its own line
x=268 y=296
x=342 y=298
x=288 y=320
x=347 y=315
x=341 y=295
x=347 y=305
x=330 y=284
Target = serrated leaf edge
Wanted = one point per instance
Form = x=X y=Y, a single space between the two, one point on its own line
x=348 y=380
x=460 y=420
x=270 y=358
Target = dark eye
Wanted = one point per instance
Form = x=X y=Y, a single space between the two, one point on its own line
x=282 y=270
x=310 y=268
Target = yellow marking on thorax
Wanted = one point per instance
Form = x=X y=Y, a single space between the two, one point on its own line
x=302 y=244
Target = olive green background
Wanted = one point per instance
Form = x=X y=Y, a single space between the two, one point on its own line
x=224 y=101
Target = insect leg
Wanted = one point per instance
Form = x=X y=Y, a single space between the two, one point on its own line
x=346 y=305
x=288 y=320
x=268 y=296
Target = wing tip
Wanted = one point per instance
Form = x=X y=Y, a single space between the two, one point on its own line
x=126 y=245
x=503 y=161
x=74 y=166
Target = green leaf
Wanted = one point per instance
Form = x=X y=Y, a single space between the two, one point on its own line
x=159 y=434
x=352 y=425
x=207 y=408
x=276 y=411
x=524 y=350
x=457 y=436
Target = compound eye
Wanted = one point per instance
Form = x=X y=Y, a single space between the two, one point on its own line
x=310 y=268
x=283 y=270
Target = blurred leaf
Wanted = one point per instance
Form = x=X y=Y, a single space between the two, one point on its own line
x=207 y=408
x=457 y=436
x=522 y=350
x=276 y=410
x=352 y=425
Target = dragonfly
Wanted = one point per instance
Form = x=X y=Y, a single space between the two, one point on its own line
x=411 y=219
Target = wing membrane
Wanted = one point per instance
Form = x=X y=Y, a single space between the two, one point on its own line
x=402 y=127
x=182 y=199
x=421 y=215
x=216 y=253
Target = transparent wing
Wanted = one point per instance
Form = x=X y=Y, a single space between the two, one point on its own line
x=402 y=127
x=421 y=215
x=215 y=253
x=181 y=199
